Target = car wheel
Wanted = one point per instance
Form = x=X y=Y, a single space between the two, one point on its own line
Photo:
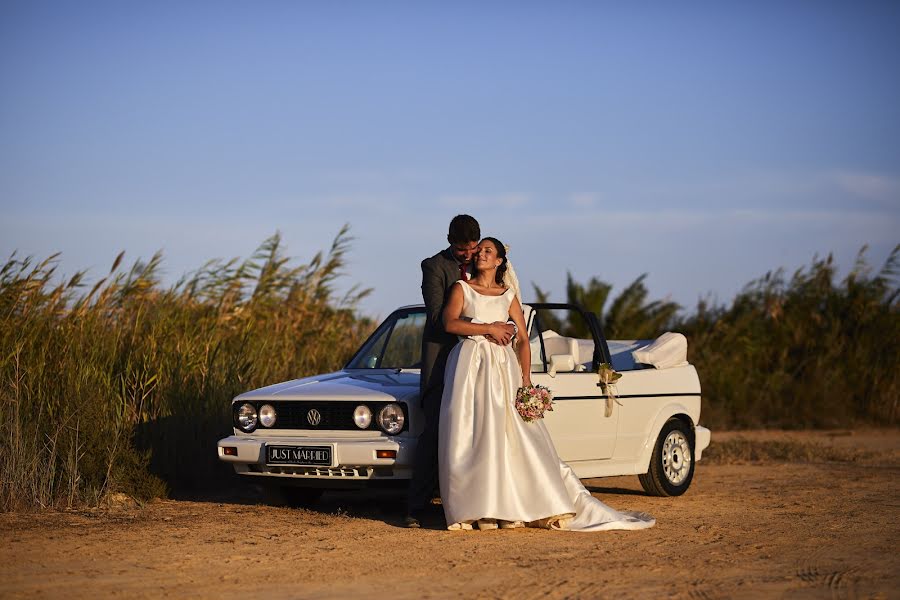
x=301 y=497
x=672 y=462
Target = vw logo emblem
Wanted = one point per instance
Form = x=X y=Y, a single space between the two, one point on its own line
x=314 y=417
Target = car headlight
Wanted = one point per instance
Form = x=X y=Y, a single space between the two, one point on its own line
x=246 y=418
x=362 y=416
x=267 y=415
x=390 y=418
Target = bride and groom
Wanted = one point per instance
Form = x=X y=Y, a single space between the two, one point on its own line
x=495 y=469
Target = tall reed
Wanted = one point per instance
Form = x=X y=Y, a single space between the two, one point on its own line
x=92 y=379
x=125 y=386
x=807 y=351
x=804 y=351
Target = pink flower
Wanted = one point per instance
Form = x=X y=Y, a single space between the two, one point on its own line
x=531 y=402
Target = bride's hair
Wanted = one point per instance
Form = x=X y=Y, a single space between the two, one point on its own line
x=501 y=253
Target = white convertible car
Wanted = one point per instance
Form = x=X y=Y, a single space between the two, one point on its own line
x=359 y=426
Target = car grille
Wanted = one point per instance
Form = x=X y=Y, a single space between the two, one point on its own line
x=333 y=473
x=295 y=414
x=351 y=472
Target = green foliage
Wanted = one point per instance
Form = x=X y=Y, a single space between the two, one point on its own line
x=91 y=379
x=803 y=352
x=629 y=316
x=793 y=353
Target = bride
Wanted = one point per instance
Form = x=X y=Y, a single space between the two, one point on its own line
x=496 y=469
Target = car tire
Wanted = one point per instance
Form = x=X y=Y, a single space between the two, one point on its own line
x=301 y=497
x=671 y=466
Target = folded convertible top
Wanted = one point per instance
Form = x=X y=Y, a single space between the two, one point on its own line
x=668 y=350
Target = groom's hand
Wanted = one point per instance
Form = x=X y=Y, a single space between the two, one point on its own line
x=501 y=333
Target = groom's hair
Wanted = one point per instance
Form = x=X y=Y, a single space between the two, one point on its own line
x=463 y=228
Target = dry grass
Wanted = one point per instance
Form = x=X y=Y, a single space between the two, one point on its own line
x=805 y=351
x=124 y=387
x=788 y=352
x=92 y=379
x=742 y=450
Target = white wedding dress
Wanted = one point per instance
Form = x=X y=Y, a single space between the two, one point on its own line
x=494 y=465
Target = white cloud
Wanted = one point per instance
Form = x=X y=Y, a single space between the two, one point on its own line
x=767 y=188
x=583 y=200
x=360 y=201
x=639 y=223
x=879 y=226
x=368 y=177
x=691 y=236
x=485 y=201
x=690 y=253
x=870 y=186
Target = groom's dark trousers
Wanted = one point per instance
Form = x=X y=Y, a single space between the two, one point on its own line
x=439 y=273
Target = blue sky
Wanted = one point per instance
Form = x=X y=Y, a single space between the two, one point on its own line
x=703 y=143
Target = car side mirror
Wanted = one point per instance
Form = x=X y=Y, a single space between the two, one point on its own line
x=561 y=362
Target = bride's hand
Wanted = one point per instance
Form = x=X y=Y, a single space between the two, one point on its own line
x=526 y=380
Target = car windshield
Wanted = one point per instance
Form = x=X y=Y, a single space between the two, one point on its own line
x=396 y=344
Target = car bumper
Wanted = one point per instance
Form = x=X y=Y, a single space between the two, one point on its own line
x=701 y=440
x=352 y=458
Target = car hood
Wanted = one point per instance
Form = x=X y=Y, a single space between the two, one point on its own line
x=355 y=385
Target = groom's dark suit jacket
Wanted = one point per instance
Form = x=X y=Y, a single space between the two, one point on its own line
x=439 y=273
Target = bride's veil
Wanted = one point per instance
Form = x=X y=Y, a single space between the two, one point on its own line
x=509 y=278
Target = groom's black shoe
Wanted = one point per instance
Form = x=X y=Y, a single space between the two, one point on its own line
x=411 y=521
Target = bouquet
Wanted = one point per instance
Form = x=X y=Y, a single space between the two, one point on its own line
x=532 y=401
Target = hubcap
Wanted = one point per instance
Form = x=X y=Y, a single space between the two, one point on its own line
x=676 y=458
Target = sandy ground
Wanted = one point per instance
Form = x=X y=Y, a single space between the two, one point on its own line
x=810 y=530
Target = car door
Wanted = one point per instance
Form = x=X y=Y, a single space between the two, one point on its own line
x=579 y=424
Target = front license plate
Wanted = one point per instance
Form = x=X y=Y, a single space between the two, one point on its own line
x=319 y=456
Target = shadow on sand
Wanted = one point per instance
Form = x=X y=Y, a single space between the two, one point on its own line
x=184 y=455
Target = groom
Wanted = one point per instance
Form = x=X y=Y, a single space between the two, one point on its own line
x=439 y=273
